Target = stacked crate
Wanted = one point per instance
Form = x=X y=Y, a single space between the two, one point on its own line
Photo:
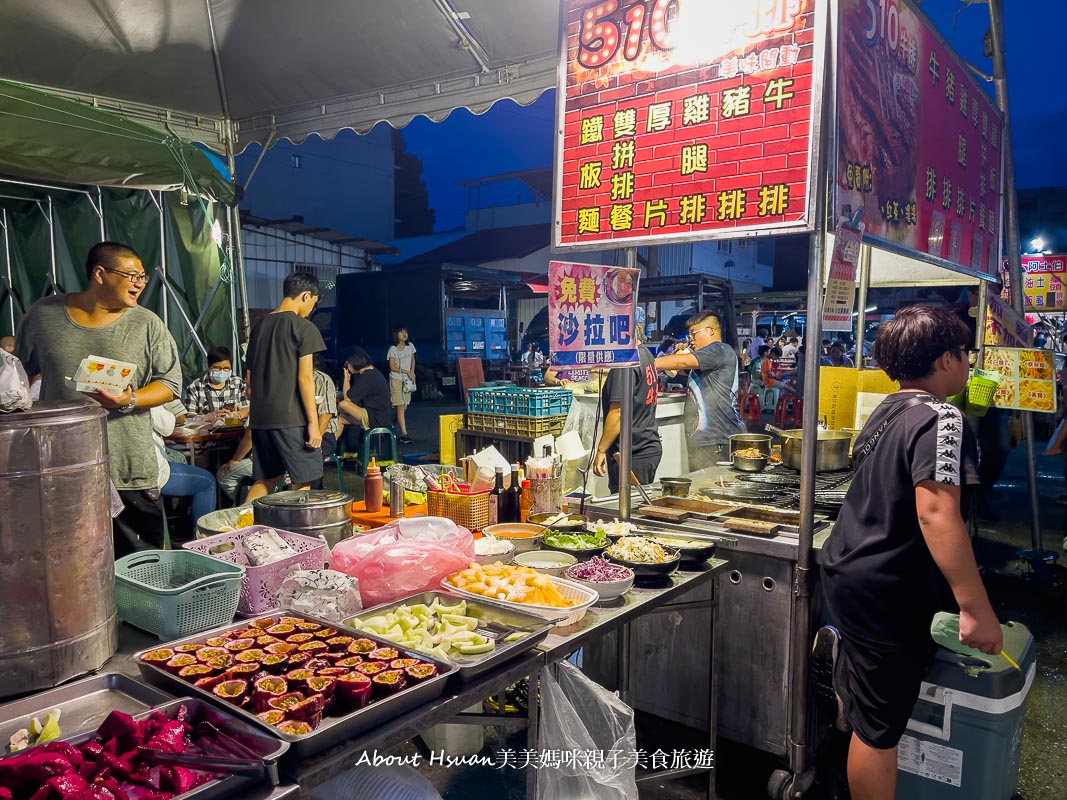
x=517 y=411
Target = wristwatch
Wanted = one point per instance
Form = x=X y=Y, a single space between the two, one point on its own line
x=130 y=406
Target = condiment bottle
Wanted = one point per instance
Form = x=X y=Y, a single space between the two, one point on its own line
x=515 y=494
x=372 y=487
x=396 y=497
x=495 y=497
x=525 y=501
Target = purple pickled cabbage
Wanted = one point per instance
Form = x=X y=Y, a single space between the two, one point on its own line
x=597 y=570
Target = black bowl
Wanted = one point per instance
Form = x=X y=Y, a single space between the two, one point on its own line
x=696 y=554
x=645 y=570
x=580 y=553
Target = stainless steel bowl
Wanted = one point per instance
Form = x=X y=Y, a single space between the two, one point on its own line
x=744 y=441
x=675 y=487
x=750 y=464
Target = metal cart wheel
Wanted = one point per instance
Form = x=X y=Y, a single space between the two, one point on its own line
x=784 y=785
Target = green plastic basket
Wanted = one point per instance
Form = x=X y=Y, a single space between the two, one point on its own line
x=981 y=387
x=176 y=593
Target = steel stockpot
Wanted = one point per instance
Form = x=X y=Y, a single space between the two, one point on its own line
x=831 y=451
x=314 y=512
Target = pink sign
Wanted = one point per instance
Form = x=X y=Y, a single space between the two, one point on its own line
x=591 y=315
x=918 y=139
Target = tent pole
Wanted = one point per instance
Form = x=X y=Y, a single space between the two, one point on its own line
x=98 y=207
x=165 y=287
x=7 y=268
x=629 y=259
x=48 y=218
x=1037 y=554
x=203 y=313
x=861 y=301
x=162 y=252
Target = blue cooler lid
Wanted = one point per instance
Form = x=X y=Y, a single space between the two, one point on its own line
x=984 y=675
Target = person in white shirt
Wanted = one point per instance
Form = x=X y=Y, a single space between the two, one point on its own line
x=757 y=343
x=401 y=379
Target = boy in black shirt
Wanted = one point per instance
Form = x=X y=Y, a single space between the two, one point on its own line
x=900 y=543
x=280 y=375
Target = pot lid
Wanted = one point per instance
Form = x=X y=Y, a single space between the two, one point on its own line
x=307 y=498
x=51 y=414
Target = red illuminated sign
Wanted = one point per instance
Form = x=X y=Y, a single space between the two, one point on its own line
x=918 y=140
x=684 y=119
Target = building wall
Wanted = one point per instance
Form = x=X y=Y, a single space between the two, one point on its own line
x=346 y=184
x=271 y=254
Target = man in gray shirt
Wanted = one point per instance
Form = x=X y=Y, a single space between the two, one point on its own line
x=105 y=320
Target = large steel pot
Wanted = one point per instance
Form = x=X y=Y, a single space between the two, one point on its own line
x=57 y=560
x=313 y=512
x=831 y=451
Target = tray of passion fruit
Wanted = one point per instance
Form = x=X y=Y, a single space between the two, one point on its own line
x=298 y=677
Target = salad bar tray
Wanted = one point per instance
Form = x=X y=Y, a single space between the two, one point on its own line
x=496 y=622
x=332 y=730
x=83 y=704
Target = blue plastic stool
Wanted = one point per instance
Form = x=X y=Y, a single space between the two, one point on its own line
x=769 y=397
x=365 y=448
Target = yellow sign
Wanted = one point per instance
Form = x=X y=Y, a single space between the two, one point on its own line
x=1003 y=326
x=1027 y=378
x=847 y=396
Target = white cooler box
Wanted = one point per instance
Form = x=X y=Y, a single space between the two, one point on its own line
x=965 y=733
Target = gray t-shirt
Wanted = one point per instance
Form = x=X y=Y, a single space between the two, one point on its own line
x=711 y=413
x=49 y=342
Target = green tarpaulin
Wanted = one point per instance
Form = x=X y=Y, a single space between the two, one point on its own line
x=49 y=138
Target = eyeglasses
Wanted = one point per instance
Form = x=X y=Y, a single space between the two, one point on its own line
x=693 y=331
x=136 y=278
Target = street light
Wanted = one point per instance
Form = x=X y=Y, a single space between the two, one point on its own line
x=1037 y=245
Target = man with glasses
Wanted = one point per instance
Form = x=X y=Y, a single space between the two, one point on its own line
x=711 y=412
x=280 y=375
x=104 y=320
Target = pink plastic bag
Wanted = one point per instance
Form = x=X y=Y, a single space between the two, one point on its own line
x=404 y=557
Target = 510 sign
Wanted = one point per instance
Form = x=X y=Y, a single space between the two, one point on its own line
x=609 y=27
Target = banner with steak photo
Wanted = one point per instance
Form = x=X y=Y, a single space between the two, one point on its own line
x=918 y=139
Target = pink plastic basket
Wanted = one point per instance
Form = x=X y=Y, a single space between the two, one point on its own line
x=259 y=588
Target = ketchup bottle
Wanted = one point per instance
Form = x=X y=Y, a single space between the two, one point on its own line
x=372 y=488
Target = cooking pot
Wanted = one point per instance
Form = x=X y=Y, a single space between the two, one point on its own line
x=312 y=512
x=831 y=451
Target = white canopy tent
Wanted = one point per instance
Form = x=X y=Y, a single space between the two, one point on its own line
x=260 y=70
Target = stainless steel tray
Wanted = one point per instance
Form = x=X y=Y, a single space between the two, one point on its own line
x=84 y=704
x=332 y=730
x=269 y=749
x=472 y=666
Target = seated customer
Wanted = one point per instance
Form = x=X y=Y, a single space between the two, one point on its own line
x=176 y=477
x=366 y=403
x=219 y=390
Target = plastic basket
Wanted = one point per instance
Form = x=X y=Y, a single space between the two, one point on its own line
x=176 y=593
x=980 y=391
x=470 y=511
x=259 y=588
x=516 y=426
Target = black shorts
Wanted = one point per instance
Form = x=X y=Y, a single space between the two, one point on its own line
x=880 y=685
x=276 y=451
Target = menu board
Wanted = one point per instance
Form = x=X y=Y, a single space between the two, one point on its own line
x=684 y=119
x=840 y=296
x=591 y=315
x=918 y=138
x=1043 y=278
x=1027 y=378
x=1005 y=327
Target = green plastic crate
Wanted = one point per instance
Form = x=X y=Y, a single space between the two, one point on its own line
x=176 y=593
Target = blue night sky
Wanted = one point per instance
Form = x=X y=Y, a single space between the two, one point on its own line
x=511 y=137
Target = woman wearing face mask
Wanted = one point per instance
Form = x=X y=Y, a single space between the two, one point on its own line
x=219 y=392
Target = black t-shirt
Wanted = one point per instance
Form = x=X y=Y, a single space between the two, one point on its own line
x=274 y=350
x=645 y=442
x=711 y=412
x=880 y=581
x=370 y=390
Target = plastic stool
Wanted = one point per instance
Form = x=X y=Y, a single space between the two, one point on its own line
x=750 y=408
x=365 y=448
x=770 y=396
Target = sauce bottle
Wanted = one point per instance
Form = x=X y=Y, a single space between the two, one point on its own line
x=372 y=488
x=525 y=501
x=495 y=496
x=514 y=495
